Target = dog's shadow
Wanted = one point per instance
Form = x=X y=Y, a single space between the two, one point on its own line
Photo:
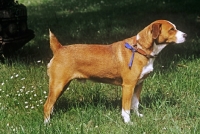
x=147 y=101
x=64 y=104
x=107 y=98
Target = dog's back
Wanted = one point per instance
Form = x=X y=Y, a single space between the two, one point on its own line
x=86 y=61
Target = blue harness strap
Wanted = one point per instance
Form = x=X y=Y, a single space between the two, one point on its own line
x=133 y=51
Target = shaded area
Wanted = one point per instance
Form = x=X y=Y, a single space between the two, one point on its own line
x=90 y=94
x=92 y=21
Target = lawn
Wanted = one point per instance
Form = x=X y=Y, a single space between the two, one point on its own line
x=170 y=99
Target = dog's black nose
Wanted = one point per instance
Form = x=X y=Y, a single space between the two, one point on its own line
x=184 y=35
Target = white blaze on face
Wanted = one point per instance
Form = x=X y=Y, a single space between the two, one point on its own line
x=180 y=38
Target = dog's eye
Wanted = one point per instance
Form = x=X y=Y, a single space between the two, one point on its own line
x=172 y=29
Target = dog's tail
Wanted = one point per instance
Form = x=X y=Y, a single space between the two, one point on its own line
x=54 y=43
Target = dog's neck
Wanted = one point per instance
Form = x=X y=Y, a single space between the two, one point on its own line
x=149 y=66
x=157 y=49
x=153 y=51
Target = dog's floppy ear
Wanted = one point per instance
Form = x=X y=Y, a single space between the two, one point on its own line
x=156 y=29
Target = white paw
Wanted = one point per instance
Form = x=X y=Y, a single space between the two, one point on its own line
x=126 y=115
x=127 y=120
x=47 y=120
x=138 y=114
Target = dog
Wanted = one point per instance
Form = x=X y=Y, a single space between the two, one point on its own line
x=125 y=63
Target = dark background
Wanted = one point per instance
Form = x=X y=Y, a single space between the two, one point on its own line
x=72 y=21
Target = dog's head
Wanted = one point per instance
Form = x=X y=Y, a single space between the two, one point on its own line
x=160 y=32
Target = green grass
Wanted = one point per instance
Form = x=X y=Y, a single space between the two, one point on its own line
x=170 y=98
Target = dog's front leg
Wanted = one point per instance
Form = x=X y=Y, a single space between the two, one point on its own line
x=127 y=93
x=135 y=99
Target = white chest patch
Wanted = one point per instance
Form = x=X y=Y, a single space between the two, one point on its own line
x=146 y=70
x=149 y=66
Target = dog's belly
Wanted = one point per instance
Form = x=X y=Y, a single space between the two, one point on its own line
x=115 y=81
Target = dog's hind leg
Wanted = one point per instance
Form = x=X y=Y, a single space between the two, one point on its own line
x=135 y=99
x=56 y=88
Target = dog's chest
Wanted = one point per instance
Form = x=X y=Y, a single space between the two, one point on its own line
x=146 y=70
x=149 y=67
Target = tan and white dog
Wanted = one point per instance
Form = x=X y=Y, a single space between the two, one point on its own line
x=125 y=63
